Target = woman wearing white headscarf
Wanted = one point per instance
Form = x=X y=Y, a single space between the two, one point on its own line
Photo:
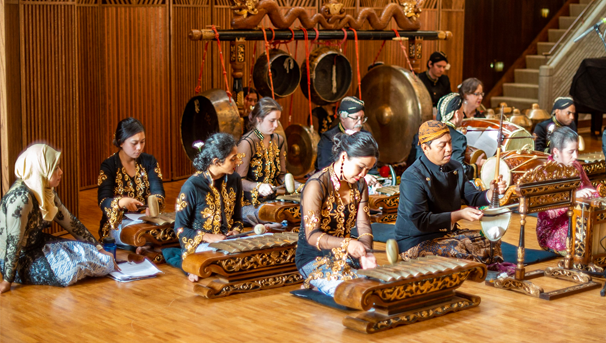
x=27 y=254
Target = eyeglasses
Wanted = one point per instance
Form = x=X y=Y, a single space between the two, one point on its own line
x=362 y=119
x=478 y=94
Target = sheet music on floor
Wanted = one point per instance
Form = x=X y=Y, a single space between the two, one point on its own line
x=131 y=271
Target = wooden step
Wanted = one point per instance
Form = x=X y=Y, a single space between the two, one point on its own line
x=555 y=34
x=521 y=90
x=576 y=9
x=520 y=103
x=535 y=61
x=526 y=76
x=566 y=22
x=544 y=47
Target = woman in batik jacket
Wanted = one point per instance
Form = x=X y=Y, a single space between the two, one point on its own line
x=264 y=163
x=209 y=206
x=335 y=200
x=127 y=178
x=27 y=254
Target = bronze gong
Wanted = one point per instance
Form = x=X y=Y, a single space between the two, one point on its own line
x=207 y=113
x=330 y=76
x=285 y=74
x=302 y=149
x=396 y=104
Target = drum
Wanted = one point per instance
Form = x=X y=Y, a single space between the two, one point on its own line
x=482 y=134
x=206 y=113
x=330 y=76
x=285 y=74
x=472 y=154
x=513 y=165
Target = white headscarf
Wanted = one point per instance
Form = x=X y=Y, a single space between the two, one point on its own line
x=35 y=166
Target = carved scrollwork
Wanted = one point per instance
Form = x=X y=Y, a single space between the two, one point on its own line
x=523 y=286
x=588 y=267
x=567 y=274
x=260 y=260
x=549 y=171
x=260 y=284
x=600 y=261
x=548 y=199
x=421 y=287
x=165 y=234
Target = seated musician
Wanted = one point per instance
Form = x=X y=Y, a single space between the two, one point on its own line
x=472 y=92
x=434 y=79
x=251 y=97
x=264 y=164
x=351 y=119
x=552 y=225
x=209 y=206
x=335 y=200
x=562 y=114
x=126 y=179
x=27 y=254
x=431 y=192
x=451 y=114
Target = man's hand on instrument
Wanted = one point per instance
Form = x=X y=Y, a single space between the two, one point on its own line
x=369 y=261
x=468 y=213
x=266 y=189
x=211 y=237
x=502 y=185
x=586 y=193
x=5 y=286
x=356 y=249
x=371 y=180
x=130 y=204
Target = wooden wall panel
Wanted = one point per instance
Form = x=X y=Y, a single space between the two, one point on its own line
x=186 y=58
x=92 y=128
x=49 y=99
x=453 y=20
x=135 y=75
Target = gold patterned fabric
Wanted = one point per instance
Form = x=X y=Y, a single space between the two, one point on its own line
x=205 y=206
x=430 y=130
x=115 y=183
x=329 y=215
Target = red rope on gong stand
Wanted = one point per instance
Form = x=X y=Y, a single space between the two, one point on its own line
x=379 y=53
x=271 y=81
x=404 y=50
x=199 y=86
x=222 y=63
x=357 y=63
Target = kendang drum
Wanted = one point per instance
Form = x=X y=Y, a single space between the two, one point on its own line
x=285 y=74
x=206 y=113
x=396 y=104
x=472 y=154
x=330 y=76
x=513 y=165
x=482 y=134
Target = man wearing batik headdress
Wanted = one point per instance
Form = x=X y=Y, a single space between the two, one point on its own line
x=431 y=192
x=450 y=113
x=562 y=114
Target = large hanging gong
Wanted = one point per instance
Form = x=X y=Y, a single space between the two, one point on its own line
x=302 y=149
x=330 y=76
x=396 y=104
x=285 y=74
x=205 y=114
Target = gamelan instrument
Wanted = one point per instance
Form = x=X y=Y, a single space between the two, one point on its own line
x=594 y=166
x=330 y=76
x=407 y=292
x=160 y=236
x=285 y=74
x=386 y=201
x=396 y=103
x=481 y=134
x=245 y=265
x=589 y=235
x=285 y=207
x=302 y=142
x=206 y=113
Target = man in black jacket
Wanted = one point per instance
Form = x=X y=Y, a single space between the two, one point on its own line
x=562 y=114
x=434 y=79
x=431 y=192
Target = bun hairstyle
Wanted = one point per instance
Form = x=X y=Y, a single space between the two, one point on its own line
x=359 y=144
x=469 y=86
x=264 y=107
x=218 y=146
x=562 y=136
x=127 y=128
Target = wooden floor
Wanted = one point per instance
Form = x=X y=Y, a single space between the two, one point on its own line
x=165 y=309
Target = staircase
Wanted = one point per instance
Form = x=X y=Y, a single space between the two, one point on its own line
x=524 y=91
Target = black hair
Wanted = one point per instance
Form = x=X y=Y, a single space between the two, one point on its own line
x=561 y=136
x=264 y=106
x=218 y=146
x=249 y=90
x=127 y=127
x=469 y=86
x=359 y=144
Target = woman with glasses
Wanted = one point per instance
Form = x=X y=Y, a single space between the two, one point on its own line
x=352 y=119
x=472 y=93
